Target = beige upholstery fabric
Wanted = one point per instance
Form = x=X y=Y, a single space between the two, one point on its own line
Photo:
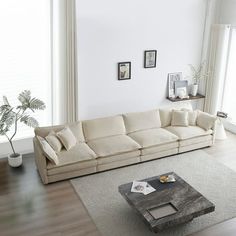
x=179 y=118
x=73 y=167
x=117 y=164
x=188 y=132
x=165 y=115
x=54 y=142
x=119 y=157
x=40 y=160
x=192 y=116
x=142 y=120
x=71 y=174
x=103 y=127
x=48 y=151
x=113 y=145
x=153 y=137
x=199 y=139
x=159 y=154
x=67 y=138
x=79 y=153
x=159 y=148
x=205 y=120
x=76 y=129
x=107 y=137
x=195 y=146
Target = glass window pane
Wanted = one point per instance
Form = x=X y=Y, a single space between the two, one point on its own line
x=25 y=54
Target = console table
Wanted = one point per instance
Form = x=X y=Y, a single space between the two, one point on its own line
x=198 y=96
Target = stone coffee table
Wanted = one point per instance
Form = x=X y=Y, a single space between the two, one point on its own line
x=171 y=204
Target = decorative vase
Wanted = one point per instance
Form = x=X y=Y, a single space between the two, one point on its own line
x=15 y=161
x=194 y=90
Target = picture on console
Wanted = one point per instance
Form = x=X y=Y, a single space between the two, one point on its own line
x=172 y=78
x=124 y=70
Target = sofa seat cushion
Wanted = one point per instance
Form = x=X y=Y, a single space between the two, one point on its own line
x=188 y=132
x=77 y=154
x=159 y=148
x=113 y=145
x=118 y=157
x=153 y=137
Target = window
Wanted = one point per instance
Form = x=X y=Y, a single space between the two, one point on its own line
x=25 y=60
x=229 y=98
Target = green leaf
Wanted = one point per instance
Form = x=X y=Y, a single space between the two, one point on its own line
x=4 y=108
x=24 y=97
x=5 y=101
x=7 y=119
x=36 y=104
x=29 y=121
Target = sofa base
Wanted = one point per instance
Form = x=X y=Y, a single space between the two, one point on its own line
x=195 y=146
x=117 y=164
x=71 y=174
x=159 y=154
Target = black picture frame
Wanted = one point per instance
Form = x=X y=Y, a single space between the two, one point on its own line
x=150 y=58
x=124 y=70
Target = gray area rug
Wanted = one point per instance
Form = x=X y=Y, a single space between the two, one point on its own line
x=113 y=216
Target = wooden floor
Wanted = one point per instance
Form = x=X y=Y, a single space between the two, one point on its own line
x=29 y=208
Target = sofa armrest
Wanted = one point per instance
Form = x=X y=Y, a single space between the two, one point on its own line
x=207 y=121
x=40 y=160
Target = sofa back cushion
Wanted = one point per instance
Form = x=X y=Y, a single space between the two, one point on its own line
x=142 y=120
x=75 y=127
x=166 y=116
x=103 y=127
x=166 y=112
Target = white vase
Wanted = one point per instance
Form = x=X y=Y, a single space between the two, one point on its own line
x=15 y=161
x=194 y=89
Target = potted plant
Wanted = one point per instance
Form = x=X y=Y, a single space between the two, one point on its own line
x=198 y=74
x=10 y=117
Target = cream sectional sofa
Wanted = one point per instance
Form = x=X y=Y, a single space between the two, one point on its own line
x=121 y=140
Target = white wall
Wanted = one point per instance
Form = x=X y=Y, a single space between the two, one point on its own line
x=227 y=12
x=112 y=31
x=22 y=146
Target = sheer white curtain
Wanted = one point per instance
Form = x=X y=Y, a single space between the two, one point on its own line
x=229 y=98
x=64 y=85
x=217 y=64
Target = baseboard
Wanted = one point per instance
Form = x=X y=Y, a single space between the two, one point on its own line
x=23 y=146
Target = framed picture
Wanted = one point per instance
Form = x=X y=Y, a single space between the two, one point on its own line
x=172 y=78
x=181 y=88
x=150 y=58
x=124 y=70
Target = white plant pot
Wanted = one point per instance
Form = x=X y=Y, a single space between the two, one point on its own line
x=194 y=89
x=15 y=161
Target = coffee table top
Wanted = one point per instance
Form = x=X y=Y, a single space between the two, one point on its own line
x=171 y=204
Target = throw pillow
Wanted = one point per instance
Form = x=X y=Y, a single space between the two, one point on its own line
x=67 y=138
x=48 y=151
x=165 y=115
x=54 y=142
x=179 y=118
x=205 y=120
x=192 y=116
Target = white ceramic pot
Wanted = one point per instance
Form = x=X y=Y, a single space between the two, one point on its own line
x=15 y=161
x=194 y=89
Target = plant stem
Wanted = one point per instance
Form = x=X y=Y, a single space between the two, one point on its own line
x=16 y=120
x=10 y=141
